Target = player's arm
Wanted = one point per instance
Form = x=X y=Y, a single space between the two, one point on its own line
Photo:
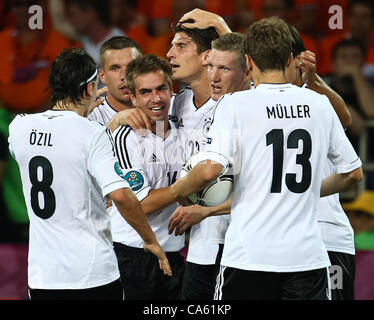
x=197 y=179
x=135 y=118
x=317 y=84
x=335 y=183
x=156 y=200
x=103 y=166
x=130 y=209
x=202 y=19
x=163 y=197
x=185 y=217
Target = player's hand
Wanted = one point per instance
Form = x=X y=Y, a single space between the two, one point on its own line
x=201 y=19
x=135 y=118
x=163 y=261
x=308 y=65
x=99 y=100
x=185 y=217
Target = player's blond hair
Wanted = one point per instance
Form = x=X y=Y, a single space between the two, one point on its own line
x=232 y=42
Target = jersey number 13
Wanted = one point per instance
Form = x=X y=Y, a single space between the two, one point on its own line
x=276 y=138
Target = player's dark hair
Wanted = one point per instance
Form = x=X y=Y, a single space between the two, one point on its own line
x=146 y=64
x=118 y=43
x=345 y=43
x=69 y=74
x=268 y=42
x=232 y=42
x=101 y=8
x=201 y=37
x=297 y=43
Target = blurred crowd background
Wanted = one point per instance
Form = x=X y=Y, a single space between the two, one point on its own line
x=345 y=60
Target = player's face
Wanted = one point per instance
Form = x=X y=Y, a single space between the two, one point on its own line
x=112 y=73
x=152 y=95
x=184 y=59
x=225 y=73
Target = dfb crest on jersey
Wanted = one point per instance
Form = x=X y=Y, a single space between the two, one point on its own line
x=135 y=180
x=206 y=128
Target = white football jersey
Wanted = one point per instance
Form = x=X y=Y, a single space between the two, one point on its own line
x=102 y=113
x=194 y=124
x=277 y=138
x=68 y=166
x=337 y=232
x=148 y=163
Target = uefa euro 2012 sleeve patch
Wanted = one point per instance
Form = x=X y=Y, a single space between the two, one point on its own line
x=134 y=178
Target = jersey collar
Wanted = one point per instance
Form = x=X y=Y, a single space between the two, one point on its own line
x=273 y=86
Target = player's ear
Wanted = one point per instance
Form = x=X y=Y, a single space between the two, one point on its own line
x=298 y=61
x=290 y=59
x=133 y=98
x=102 y=75
x=249 y=63
x=204 y=58
x=248 y=75
x=91 y=90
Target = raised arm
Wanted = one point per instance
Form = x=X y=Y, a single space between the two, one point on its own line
x=317 y=84
x=202 y=19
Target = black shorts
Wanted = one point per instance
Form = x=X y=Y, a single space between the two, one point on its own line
x=142 y=278
x=237 y=284
x=199 y=280
x=342 y=275
x=111 y=291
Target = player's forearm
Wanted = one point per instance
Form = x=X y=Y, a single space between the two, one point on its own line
x=336 y=183
x=221 y=26
x=197 y=179
x=223 y=208
x=129 y=207
x=157 y=200
x=318 y=85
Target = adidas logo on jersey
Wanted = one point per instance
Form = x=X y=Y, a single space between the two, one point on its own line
x=153 y=158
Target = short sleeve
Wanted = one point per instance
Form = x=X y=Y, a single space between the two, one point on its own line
x=103 y=165
x=130 y=153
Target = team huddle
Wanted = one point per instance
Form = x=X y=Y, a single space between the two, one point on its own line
x=109 y=210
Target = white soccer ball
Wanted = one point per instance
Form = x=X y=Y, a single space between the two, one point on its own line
x=216 y=192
